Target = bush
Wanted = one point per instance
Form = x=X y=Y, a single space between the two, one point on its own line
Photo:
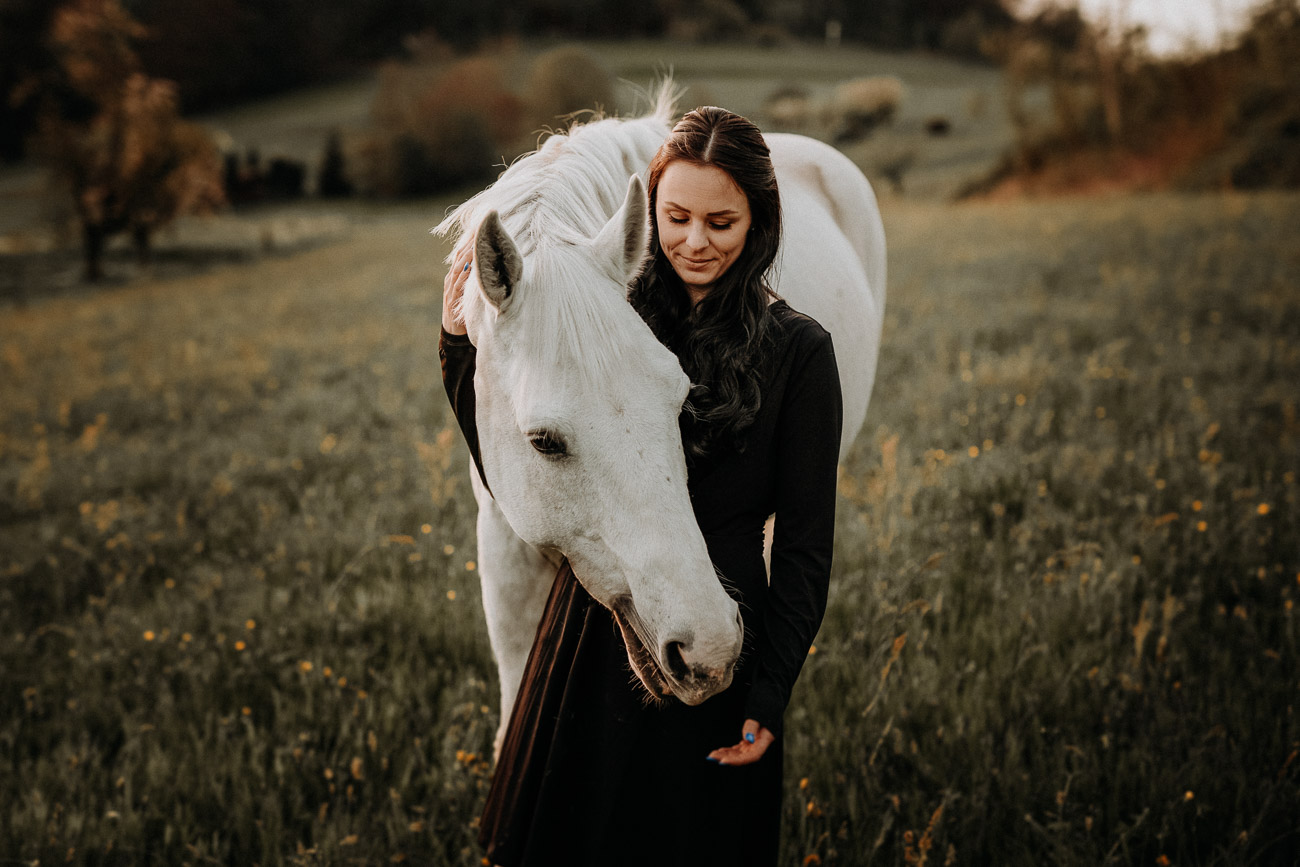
x=443 y=125
x=439 y=127
x=850 y=112
x=566 y=80
x=788 y=109
x=861 y=104
x=334 y=182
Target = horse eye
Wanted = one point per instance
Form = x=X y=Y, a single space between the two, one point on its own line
x=548 y=443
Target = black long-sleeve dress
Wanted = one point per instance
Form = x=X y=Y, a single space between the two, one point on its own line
x=593 y=772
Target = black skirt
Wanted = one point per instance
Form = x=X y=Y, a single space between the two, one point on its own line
x=594 y=771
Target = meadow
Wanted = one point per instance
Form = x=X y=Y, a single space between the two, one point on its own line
x=239 y=614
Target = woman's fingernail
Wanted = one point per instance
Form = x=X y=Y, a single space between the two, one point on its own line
x=466 y=268
x=714 y=759
x=749 y=737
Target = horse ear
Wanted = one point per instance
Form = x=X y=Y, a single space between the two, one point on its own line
x=625 y=239
x=500 y=266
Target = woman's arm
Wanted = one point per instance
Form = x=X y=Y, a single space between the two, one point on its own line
x=458 y=358
x=807 y=453
x=453 y=287
x=807 y=449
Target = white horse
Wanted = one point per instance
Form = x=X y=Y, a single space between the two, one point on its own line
x=577 y=402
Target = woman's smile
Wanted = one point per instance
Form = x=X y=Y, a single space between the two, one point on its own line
x=703 y=219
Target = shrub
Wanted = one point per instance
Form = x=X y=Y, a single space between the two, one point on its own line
x=566 y=80
x=439 y=127
x=443 y=125
x=334 y=182
x=788 y=109
x=286 y=179
x=861 y=104
x=850 y=112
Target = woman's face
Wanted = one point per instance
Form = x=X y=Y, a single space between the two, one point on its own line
x=703 y=219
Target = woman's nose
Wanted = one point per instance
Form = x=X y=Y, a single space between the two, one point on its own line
x=697 y=238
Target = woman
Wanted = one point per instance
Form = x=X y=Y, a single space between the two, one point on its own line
x=592 y=771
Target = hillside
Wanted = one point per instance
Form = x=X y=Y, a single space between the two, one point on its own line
x=33 y=222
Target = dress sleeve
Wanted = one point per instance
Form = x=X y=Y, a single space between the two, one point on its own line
x=458 y=356
x=807 y=455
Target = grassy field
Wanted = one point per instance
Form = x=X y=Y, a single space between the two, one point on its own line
x=239 y=617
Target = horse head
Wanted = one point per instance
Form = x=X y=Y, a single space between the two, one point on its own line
x=577 y=411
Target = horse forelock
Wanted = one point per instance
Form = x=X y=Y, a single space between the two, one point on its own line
x=565 y=190
x=553 y=202
x=579 y=329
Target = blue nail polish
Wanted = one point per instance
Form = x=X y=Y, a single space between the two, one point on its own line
x=714 y=759
x=749 y=736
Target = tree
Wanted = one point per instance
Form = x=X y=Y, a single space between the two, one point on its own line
x=114 y=135
x=22 y=53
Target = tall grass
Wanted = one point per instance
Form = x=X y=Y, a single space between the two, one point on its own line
x=1064 y=614
x=239 y=619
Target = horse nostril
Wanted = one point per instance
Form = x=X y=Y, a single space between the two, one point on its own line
x=674 y=662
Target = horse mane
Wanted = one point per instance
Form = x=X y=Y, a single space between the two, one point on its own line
x=553 y=202
x=540 y=195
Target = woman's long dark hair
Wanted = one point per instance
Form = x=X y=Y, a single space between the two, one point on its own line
x=719 y=340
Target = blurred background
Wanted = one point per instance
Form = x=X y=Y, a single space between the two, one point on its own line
x=239 y=598
x=120 y=117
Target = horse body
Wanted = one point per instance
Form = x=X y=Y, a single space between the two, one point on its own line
x=832 y=260
x=577 y=403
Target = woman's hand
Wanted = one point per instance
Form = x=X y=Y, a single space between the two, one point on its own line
x=754 y=741
x=453 y=286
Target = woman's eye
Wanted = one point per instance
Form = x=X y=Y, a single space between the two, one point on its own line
x=548 y=443
x=721 y=227
x=678 y=220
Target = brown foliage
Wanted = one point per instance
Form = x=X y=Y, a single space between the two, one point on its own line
x=1119 y=114
x=565 y=80
x=128 y=160
x=442 y=124
x=438 y=126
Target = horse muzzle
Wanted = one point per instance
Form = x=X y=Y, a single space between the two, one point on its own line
x=674 y=668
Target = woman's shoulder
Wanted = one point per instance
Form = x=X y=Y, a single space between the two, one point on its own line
x=798 y=330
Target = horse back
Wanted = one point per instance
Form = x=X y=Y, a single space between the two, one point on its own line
x=832 y=260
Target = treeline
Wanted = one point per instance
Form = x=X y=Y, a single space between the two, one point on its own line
x=1223 y=118
x=219 y=52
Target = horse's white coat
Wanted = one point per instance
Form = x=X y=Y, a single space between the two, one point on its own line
x=832 y=260
x=618 y=505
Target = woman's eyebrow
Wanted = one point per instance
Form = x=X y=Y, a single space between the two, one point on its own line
x=727 y=213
